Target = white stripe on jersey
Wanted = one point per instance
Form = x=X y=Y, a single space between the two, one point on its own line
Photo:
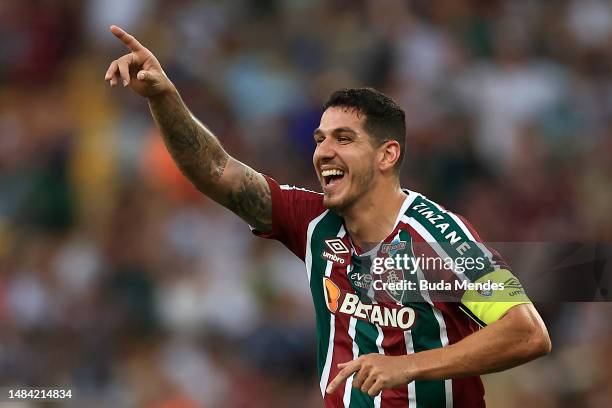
x=332 y=318
x=482 y=247
x=468 y=233
x=448 y=384
x=288 y=187
x=379 y=341
x=330 y=354
x=432 y=242
x=348 y=387
x=308 y=258
x=411 y=386
x=410 y=197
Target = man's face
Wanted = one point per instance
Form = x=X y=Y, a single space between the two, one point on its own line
x=344 y=157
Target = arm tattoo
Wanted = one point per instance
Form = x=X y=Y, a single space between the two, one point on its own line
x=252 y=201
x=199 y=155
x=195 y=149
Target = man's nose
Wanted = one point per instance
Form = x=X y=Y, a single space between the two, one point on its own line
x=325 y=150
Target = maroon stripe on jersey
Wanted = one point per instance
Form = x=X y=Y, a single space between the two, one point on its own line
x=424 y=250
x=343 y=344
x=292 y=211
x=393 y=344
x=469 y=391
x=470 y=228
x=497 y=258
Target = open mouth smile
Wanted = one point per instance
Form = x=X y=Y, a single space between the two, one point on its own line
x=331 y=177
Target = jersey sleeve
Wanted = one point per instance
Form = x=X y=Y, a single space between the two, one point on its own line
x=489 y=288
x=497 y=289
x=292 y=210
x=489 y=305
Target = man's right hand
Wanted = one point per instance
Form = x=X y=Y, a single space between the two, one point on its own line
x=139 y=69
x=194 y=148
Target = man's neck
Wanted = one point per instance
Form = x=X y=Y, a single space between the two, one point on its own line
x=372 y=218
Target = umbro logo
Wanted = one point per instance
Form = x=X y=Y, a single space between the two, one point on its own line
x=336 y=246
x=337 y=251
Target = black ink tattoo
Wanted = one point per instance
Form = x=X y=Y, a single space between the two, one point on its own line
x=195 y=149
x=201 y=158
x=252 y=201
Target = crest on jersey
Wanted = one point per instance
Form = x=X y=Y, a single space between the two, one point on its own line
x=395 y=291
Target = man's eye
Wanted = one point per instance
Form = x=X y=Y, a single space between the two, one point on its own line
x=343 y=139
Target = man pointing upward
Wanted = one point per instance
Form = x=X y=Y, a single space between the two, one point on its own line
x=374 y=348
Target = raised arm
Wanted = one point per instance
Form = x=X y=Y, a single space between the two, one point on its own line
x=195 y=149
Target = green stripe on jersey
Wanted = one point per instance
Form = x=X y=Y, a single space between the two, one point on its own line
x=365 y=337
x=327 y=227
x=409 y=297
x=449 y=235
x=365 y=332
x=425 y=336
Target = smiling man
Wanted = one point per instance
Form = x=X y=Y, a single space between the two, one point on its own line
x=383 y=339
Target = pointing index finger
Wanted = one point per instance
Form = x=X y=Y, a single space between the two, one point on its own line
x=345 y=373
x=129 y=40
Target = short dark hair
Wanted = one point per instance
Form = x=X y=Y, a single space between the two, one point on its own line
x=384 y=119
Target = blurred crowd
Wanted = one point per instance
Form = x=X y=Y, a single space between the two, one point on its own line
x=121 y=281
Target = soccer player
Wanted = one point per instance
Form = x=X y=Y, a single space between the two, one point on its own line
x=377 y=347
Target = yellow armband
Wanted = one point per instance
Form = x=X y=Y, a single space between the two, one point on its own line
x=494 y=294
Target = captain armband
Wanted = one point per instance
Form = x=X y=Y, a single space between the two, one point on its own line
x=489 y=305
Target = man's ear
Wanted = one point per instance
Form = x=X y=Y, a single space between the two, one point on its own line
x=389 y=154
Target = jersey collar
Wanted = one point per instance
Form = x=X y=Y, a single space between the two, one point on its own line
x=410 y=196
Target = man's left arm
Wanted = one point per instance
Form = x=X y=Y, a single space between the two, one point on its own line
x=516 y=338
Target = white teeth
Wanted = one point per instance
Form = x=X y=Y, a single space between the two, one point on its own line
x=332 y=172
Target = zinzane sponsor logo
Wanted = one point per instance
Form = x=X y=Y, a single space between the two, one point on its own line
x=453 y=236
x=349 y=304
x=338 y=253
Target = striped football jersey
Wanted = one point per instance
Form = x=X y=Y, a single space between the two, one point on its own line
x=364 y=306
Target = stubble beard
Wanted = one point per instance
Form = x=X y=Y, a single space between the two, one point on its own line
x=361 y=183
